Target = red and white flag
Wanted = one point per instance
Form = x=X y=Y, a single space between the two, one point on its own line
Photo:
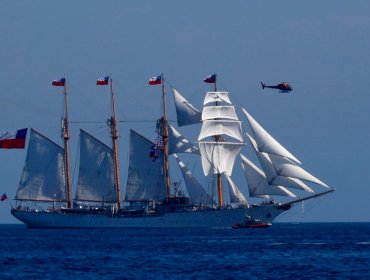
x=155 y=80
x=13 y=140
x=102 y=81
x=59 y=83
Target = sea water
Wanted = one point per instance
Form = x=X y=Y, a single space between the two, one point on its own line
x=284 y=251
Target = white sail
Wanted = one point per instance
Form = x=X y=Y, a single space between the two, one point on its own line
x=96 y=180
x=43 y=177
x=186 y=113
x=265 y=142
x=257 y=181
x=219 y=157
x=221 y=127
x=178 y=143
x=272 y=175
x=197 y=193
x=285 y=168
x=216 y=96
x=235 y=194
x=146 y=177
x=219 y=112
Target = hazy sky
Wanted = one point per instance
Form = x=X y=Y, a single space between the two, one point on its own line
x=321 y=47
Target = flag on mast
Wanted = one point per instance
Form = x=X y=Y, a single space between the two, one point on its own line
x=103 y=81
x=14 y=139
x=210 y=79
x=155 y=80
x=59 y=83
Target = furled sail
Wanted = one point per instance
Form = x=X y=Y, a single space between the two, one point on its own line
x=235 y=194
x=178 y=143
x=96 y=181
x=146 y=176
x=43 y=177
x=197 y=193
x=257 y=181
x=186 y=113
x=265 y=142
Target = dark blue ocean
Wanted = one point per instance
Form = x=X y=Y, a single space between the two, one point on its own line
x=284 y=251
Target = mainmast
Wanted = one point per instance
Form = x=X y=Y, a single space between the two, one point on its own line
x=112 y=122
x=159 y=80
x=65 y=135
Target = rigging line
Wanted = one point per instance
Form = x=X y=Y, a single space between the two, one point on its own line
x=132 y=121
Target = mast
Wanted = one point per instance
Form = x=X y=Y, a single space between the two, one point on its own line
x=219 y=177
x=65 y=135
x=112 y=122
x=165 y=140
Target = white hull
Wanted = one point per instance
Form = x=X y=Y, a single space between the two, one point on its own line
x=217 y=218
x=221 y=218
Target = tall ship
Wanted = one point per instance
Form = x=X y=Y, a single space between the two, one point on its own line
x=151 y=198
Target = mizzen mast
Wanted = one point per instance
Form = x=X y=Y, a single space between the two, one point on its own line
x=112 y=122
x=65 y=135
x=165 y=140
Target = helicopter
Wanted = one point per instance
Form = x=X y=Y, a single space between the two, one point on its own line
x=283 y=87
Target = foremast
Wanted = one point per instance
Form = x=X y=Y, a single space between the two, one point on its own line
x=213 y=80
x=221 y=124
x=112 y=123
x=219 y=176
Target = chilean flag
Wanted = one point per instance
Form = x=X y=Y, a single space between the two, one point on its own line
x=155 y=80
x=59 y=83
x=13 y=140
x=210 y=79
x=102 y=81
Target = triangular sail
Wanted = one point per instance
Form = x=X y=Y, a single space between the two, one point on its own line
x=265 y=142
x=257 y=181
x=187 y=114
x=43 y=177
x=146 y=177
x=197 y=193
x=236 y=195
x=273 y=177
x=178 y=143
x=96 y=181
x=285 y=168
